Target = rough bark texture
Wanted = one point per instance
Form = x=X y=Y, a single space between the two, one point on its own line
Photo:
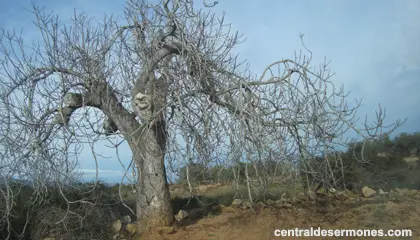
x=153 y=197
x=147 y=141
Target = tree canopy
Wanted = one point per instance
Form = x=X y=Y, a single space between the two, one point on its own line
x=169 y=85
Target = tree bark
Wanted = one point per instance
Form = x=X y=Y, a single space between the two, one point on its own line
x=153 y=198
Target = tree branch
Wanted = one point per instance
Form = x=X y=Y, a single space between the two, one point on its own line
x=144 y=78
x=72 y=102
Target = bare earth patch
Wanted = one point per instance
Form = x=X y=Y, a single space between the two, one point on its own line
x=396 y=211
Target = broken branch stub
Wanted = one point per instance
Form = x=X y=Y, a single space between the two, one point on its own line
x=73 y=101
x=143 y=106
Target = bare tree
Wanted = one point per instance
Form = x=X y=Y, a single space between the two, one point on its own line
x=168 y=85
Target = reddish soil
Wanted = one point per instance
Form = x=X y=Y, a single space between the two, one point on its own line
x=402 y=211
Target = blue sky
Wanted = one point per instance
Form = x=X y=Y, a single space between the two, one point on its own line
x=374 y=48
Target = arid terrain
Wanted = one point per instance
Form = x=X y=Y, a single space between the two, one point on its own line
x=396 y=209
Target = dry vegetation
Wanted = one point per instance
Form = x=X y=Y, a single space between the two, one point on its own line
x=168 y=85
x=213 y=213
x=396 y=210
x=221 y=210
x=212 y=217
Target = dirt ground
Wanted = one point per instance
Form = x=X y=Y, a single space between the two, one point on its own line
x=398 y=210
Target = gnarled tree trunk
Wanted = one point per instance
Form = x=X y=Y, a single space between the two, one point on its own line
x=153 y=198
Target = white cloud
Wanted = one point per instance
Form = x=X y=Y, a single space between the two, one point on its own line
x=105 y=174
x=102 y=171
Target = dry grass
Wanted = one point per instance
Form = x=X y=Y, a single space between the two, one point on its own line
x=400 y=210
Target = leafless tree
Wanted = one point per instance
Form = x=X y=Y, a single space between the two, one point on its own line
x=167 y=84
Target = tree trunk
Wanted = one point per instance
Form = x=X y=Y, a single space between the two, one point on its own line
x=149 y=145
x=153 y=198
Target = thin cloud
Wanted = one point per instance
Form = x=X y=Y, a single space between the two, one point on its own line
x=108 y=175
x=102 y=171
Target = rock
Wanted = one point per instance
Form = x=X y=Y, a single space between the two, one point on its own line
x=287 y=205
x=182 y=215
x=341 y=196
x=301 y=196
x=49 y=238
x=166 y=230
x=116 y=226
x=131 y=228
x=381 y=192
x=283 y=205
x=368 y=192
x=246 y=205
x=237 y=202
x=351 y=201
x=116 y=236
x=333 y=190
x=126 y=219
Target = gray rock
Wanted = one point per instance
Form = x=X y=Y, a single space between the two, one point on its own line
x=126 y=219
x=368 y=192
x=182 y=215
x=284 y=205
x=381 y=192
x=237 y=202
x=246 y=205
x=301 y=196
x=116 y=236
x=116 y=226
